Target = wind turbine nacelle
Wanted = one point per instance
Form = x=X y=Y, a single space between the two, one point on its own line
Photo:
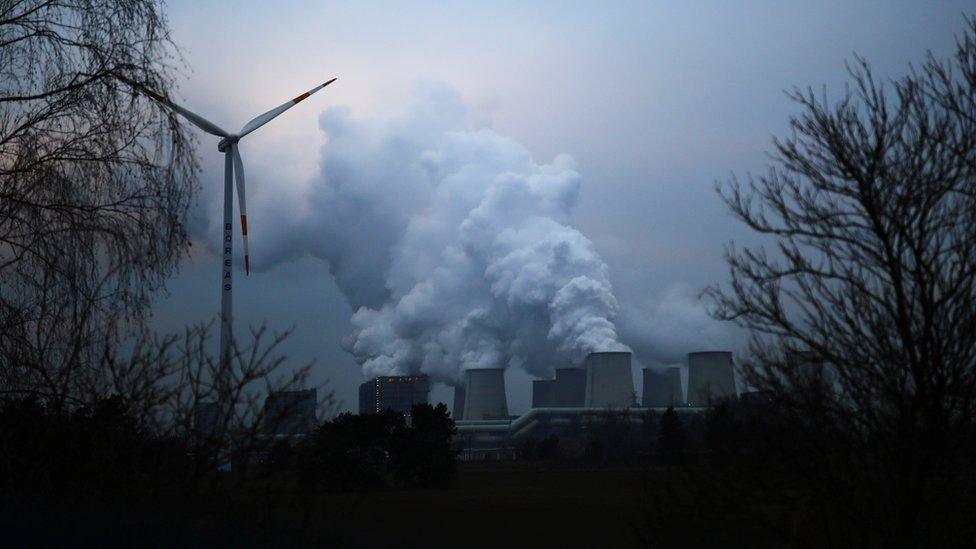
x=229 y=140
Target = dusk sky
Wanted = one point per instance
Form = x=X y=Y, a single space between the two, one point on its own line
x=643 y=105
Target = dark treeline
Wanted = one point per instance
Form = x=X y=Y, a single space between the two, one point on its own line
x=372 y=452
x=101 y=452
x=99 y=457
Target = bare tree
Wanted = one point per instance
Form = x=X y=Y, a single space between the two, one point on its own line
x=95 y=183
x=166 y=381
x=864 y=317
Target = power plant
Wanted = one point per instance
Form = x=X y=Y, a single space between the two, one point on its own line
x=663 y=389
x=396 y=393
x=568 y=390
x=458 y=410
x=577 y=398
x=484 y=394
x=709 y=377
x=580 y=398
x=544 y=393
x=570 y=387
x=608 y=381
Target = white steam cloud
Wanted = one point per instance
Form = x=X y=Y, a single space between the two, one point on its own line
x=453 y=246
x=456 y=250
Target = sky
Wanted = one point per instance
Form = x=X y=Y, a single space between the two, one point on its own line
x=617 y=118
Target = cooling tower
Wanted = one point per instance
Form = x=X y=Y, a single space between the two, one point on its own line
x=543 y=393
x=484 y=394
x=570 y=388
x=608 y=381
x=709 y=377
x=662 y=389
x=290 y=412
x=809 y=368
x=458 y=413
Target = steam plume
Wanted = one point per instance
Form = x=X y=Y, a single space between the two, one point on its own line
x=453 y=246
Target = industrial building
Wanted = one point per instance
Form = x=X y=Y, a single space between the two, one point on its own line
x=568 y=390
x=484 y=394
x=396 y=393
x=577 y=399
x=605 y=379
x=458 y=411
x=488 y=439
x=609 y=383
x=663 y=389
x=808 y=368
x=582 y=398
x=290 y=412
x=710 y=376
x=544 y=393
x=570 y=387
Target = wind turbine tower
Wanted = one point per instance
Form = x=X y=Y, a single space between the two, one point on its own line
x=232 y=166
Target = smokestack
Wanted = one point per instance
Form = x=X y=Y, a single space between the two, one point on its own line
x=570 y=387
x=458 y=403
x=608 y=380
x=709 y=377
x=543 y=393
x=662 y=389
x=484 y=394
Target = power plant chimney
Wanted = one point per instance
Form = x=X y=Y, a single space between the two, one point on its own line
x=662 y=389
x=484 y=394
x=608 y=380
x=709 y=377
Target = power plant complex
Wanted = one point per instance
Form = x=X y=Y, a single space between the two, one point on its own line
x=396 y=393
x=576 y=396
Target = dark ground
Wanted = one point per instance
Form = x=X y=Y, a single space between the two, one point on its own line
x=514 y=504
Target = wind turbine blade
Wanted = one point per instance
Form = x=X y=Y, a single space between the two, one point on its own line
x=193 y=117
x=263 y=119
x=239 y=174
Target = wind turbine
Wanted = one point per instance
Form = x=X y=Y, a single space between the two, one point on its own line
x=232 y=165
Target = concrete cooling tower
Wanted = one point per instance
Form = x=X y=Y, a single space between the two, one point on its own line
x=663 y=389
x=608 y=381
x=709 y=377
x=568 y=390
x=808 y=367
x=484 y=394
x=543 y=393
x=458 y=412
x=570 y=387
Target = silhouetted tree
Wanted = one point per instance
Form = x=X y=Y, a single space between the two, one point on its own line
x=427 y=457
x=354 y=452
x=863 y=320
x=94 y=452
x=95 y=185
x=722 y=435
x=671 y=437
x=374 y=451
